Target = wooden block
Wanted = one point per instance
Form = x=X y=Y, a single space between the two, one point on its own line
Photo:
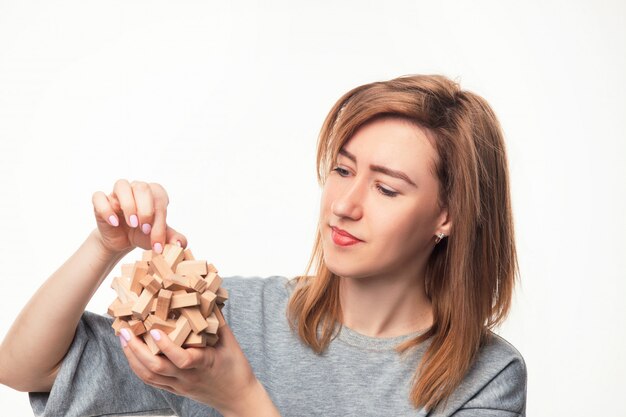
x=192 y=267
x=188 y=256
x=140 y=270
x=213 y=281
x=197 y=322
x=137 y=327
x=173 y=255
x=195 y=340
x=146 y=255
x=211 y=268
x=150 y=283
x=141 y=309
x=119 y=309
x=127 y=270
x=153 y=322
x=117 y=325
x=207 y=303
x=182 y=330
x=185 y=300
x=211 y=339
x=196 y=283
x=151 y=343
x=163 y=304
x=162 y=269
x=122 y=288
x=222 y=295
x=176 y=282
x=220 y=317
x=212 y=323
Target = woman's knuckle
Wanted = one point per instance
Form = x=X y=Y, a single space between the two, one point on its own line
x=151 y=378
x=143 y=374
x=146 y=213
x=120 y=183
x=186 y=363
x=156 y=367
x=140 y=186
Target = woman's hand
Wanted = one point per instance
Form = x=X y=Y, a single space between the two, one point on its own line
x=219 y=376
x=134 y=215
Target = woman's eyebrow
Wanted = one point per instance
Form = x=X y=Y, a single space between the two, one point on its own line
x=379 y=168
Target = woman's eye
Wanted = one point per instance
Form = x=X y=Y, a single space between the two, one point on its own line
x=386 y=192
x=341 y=171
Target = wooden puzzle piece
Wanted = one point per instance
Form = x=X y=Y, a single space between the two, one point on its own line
x=172 y=292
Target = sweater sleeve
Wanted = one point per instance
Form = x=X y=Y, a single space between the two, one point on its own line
x=95 y=378
x=503 y=396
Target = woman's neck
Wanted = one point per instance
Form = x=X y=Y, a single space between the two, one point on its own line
x=385 y=306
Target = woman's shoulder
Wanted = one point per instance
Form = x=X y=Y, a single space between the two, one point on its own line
x=497 y=348
x=496 y=382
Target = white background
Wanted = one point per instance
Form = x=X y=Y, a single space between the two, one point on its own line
x=222 y=103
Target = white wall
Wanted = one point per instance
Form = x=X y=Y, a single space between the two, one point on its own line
x=222 y=105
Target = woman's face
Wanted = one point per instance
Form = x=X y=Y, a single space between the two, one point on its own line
x=395 y=220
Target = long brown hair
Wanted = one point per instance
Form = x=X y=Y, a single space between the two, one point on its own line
x=471 y=274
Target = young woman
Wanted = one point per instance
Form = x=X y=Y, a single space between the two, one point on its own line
x=414 y=261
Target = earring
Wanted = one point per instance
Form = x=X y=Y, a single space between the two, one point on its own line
x=439 y=237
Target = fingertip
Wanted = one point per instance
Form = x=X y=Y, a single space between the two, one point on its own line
x=126 y=334
x=146 y=228
x=157 y=247
x=113 y=221
x=133 y=221
x=156 y=334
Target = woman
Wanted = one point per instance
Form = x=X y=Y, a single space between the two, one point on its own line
x=415 y=263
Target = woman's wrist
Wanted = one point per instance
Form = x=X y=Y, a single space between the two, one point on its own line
x=256 y=402
x=103 y=253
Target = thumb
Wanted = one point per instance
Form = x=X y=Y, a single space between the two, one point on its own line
x=227 y=339
x=172 y=236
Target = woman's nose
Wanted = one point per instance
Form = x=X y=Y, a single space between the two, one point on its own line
x=349 y=202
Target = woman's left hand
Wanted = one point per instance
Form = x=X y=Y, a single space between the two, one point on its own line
x=218 y=376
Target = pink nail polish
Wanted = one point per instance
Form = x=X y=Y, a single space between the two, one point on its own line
x=113 y=220
x=134 y=222
x=158 y=248
x=123 y=341
x=179 y=244
x=126 y=334
x=155 y=334
x=145 y=228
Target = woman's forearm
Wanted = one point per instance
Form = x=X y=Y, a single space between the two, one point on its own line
x=38 y=340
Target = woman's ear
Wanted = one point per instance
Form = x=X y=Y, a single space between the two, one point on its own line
x=444 y=222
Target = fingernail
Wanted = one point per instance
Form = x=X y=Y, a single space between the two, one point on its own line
x=126 y=334
x=134 y=222
x=155 y=334
x=158 y=248
x=179 y=244
x=123 y=341
x=145 y=228
x=113 y=220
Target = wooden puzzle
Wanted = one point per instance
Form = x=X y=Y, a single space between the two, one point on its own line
x=172 y=292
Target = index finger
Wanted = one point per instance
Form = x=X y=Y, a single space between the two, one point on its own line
x=159 y=228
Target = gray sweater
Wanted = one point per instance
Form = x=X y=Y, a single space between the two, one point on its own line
x=358 y=375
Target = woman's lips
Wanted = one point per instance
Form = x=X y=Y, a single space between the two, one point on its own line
x=343 y=238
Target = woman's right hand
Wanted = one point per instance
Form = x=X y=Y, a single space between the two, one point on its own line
x=134 y=215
